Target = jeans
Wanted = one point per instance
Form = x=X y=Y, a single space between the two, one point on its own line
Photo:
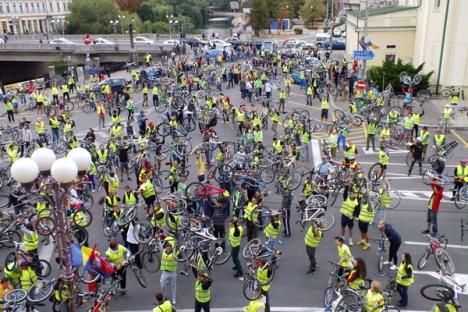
x=134 y=248
x=341 y=142
x=235 y=259
x=311 y=254
x=11 y=116
x=309 y=99
x=370 y=138
x=403 y=291
x=432 y=219
x=169 y=278
x=55 y=135
x=419 y=160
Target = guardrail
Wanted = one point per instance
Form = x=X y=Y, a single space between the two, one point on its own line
x=81 y=48
x=112 y=37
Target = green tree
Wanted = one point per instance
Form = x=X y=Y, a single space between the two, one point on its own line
x=312 y=9
x=389 y=73
x=91 y=16
x=259 y=18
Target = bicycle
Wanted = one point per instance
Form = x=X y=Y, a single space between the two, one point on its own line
x=437 y=248
x=381 y=250
x=196 y=191
x=313 y=212
x=41 y=267
x=446 y=292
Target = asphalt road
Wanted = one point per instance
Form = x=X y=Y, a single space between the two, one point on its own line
x=291 y=286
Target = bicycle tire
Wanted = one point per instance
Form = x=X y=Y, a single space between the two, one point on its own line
x=45 y=225
x=68 y=106
x=251 y=248
x=423 y=95
x=86 y=108
x=326 y=220
x=164 y=129
x=267 y=175
x=195 y=191
x=140 y=276
x=44 y=267
x=151 y=261
x=329 y=296
x=375 y=172
x=41 y=290
x=463 y=192
x=339 y=114
x=78 y=219
x=446 y=93
x=423 y=259
x=460 y=203
x=432 y=158
x=81 y=238
x=222 y=173
x=144 y=232
x=444 y=261
x=161 y=152
x=126 y=217
x=183 y=250
x=334 y=195
x=8 y=238
x=88 y=201
x=10 y=258
x=220 y=251
x=349 y=302
x=162 y=179
x=317 y=201
x=251 y=289
x=437 y=292
x=189 y=124
x=427 y=176
x=395 y=196
x=357 y=121
x=263 y=216
x=15 y=296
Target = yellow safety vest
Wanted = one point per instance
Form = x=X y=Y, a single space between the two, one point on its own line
x=325 y=104
x=166 y=306
x=168 y=262
x=113 y=183
x=401 y=273
x=350 y=151
x=278 y=147
x=54 y=122
x=424 y=137
x=262 y=276
x=27 y=278
x=115 y=119
x=416 y=118
x=455 y=100
x=383 y=157
x=439 y=140
x=40 y=128
x=312 y=240
x=116 y=131
x=235 y=241
x=55 y=91
x=249 y=213
x=12 y=154
x=348 y=207
x=408 y=123
x=462 y=173
x=344 y=256
x=11 y=271
x=102 y=155
x=148 y=189
x=116 y=256
x=385 y=134
x=31 y=242
x=372 y=128
x=374 y=302
x=357 y=283
x=271 y=232
x=366 y=213
x=255 y=306
x=130 y=199
x=155 y=90
x=201 y=295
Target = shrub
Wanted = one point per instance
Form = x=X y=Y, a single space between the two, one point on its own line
x=298 y=31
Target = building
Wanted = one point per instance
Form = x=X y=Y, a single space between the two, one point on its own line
x=392 y=29
x=32 y=16
x=441 y=41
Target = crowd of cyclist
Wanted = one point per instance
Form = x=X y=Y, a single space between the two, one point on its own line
x=190 y=96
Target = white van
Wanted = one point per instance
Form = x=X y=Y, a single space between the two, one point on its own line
x=322 y=40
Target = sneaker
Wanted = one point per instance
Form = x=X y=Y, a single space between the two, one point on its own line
x=425 y=232
x=241 y=278
x=361 y=242
x=237 y=275
x=393 y=267
x=350 y=242
x=386 y=262
x=365 y=246
x=174 y=301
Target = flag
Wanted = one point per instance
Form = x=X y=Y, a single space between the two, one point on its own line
x=80 y=254
x=90 y=259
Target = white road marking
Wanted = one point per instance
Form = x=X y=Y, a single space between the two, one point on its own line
x=461 y=279
x=316 y=157
x=371 y=152
x=397 y=164
x=274 y=309
x=426 y=243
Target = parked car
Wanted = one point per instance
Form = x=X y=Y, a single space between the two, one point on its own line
x=339 y=31
x=117 y=84
x=267 y=46
x=171 y=43
x=220 y=43
x=142 y=40
x=194 y=41
x=61 y=41
x=234 y=41
x=102 y=41
x=338 y=44
x=154 y=72
x=322 y=40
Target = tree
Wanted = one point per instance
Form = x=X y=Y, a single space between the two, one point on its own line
x=129 y=5
x=311 y=10
x=91 y=16
x=389 y=73
x=259 y=15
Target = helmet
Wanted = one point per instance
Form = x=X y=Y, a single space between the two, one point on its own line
x=418 y=139
x=464 y=161
x=24 y=263
x=447 y=105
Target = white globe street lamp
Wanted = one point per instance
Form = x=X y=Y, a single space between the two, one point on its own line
x=64 y=170
x=81 y=157
x=44 y=158
x=24 y=170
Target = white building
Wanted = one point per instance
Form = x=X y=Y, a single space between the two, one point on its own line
x=32 y=16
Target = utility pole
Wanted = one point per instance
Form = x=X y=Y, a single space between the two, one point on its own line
x=366 y=17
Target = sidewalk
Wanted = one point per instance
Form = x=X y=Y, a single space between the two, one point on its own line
x=434 y=109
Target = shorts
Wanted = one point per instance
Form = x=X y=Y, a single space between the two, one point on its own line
x=363 y=226
x=346 y=221
x=150 y=200
x=324 y=113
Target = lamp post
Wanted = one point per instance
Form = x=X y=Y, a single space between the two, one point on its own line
x=114 y=24
x=121 y=20
x=56 y=175
x=172 y=21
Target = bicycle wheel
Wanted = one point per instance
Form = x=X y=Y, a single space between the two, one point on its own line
x=82 y=218
x=41 y=290
x=8 y=239
x=144 y=232
x=292 y=181
x=164 y=129
x=81 y=236
x=163 y=179
x=427 y=176
x=43 y=268
x=151 y=261
x=251 y=248
x=334 y=195
x=252 y=289
x=223 y=173
x=444 y=261
x=161 y=152
x=317 y=201
x=195 y=191
x=329 y=296
x=10 y=258
x=183 y=250
x=339 y=114
x=45 y=226
x=460 y=203
x=357 y=120
x=375 y=172
x=263 y=216
x=15 y=296
x=423 y=260
x=349 y=302
x=423 y=95
x=140 y=277
x=220 y=251
x=88 y=202
x=68 y=106
x=325 y=220
x=446 y=93
x=432 y=158
x=267 y=175
x=409 y=158
x=189 y=124
x=437 y=292
x=395 y=196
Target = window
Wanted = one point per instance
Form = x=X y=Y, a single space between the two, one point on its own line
x=14 y=8
x=8 y=8
x=1 y=7
x=26 y=7
x=390 y=58
x=437 y=4
x=391 y=46
x=43 y=7
x=51 y=7
x=21 y=8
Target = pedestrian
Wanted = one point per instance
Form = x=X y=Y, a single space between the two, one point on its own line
x=404 y=278
x=357 y=277
x=461 y=177
x=286 y=202
x=324 y=108
x=264 y=276
x=9 y=109
x=124 y=159
x=433 y=206
x=251 y=217
x=162 y=304
x=218 y=218
x=101 y=112
x=395 y=242
x=312 y=238
x=272 y=231
x=235 y=237
x=202 y=292
x=347 y=211
x=345 y=258
x=118 y=255
x=416 y=150
x=168 y=269
x=371 y=131
x=309 y=94
x=132 y=242
x=141 y=120
x=26 y=139
x=366 y=215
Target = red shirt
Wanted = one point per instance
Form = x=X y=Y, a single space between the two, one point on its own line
x=437 y=195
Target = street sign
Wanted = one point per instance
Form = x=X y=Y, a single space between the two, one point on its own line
x=361 y=84
x=363 y=55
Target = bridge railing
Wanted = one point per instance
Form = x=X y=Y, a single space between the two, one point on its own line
x=112 y=37
x=35 y=46
x=92 y=48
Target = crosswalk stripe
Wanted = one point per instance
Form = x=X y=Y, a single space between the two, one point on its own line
x=273 y=309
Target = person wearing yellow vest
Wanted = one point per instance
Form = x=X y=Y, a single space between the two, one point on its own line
x=39 y=125
x=282 y=99
x=384 y=159
x=374 y=300
x=439 y=139
x=54 y=123
x=102 y=155
x=202 y=292
x=275 y=119
x=345 y=258
x=130 y=198
x=371 y=131
x=347 y=211
x=350 y=152
x=145 y=95
x=162 y=304
x=272 y=232
x=309 y=94
x=357 y=277
x=251 y=216
x=416 y=117
x=385 y=133
x=169 y=272
x=30 y=239
x=148 y=191
x=324 y=108
x=256 y=305
x=157 y=217
x=264 y=276
x=13 y=152
x=404 y=278
x=235 y=237
x=461 y=177
x=366 y=215
x=112 y=182
x=55 y=94
x=408 y=125
x=12 y=271
x=312 y=239
x=27 y=275
x=277 y=146
x=118 y=255
x=332 y=142
x=40 y=98
x=155 y=93
x=65 y=92
x=10 y=110
x=116 y=130
x=454 y=101
x=101 y=112
x=425 y=140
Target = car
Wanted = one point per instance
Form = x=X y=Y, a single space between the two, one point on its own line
x=339 y=31
x=154 y=72
x=322 y=40
x=338 y=44
x=220 y=43
x=101 y=41
x=117 y=84
x=234 y=41
x=61 y=41
x=267 y=46
x=171 y=43
x=142 y=40
x=194 y=41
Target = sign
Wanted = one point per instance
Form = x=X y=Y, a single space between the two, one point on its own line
x=234 y=5
x=363 y=55
x=361 y=84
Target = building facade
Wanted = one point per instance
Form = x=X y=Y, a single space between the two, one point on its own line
x=32 y=16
